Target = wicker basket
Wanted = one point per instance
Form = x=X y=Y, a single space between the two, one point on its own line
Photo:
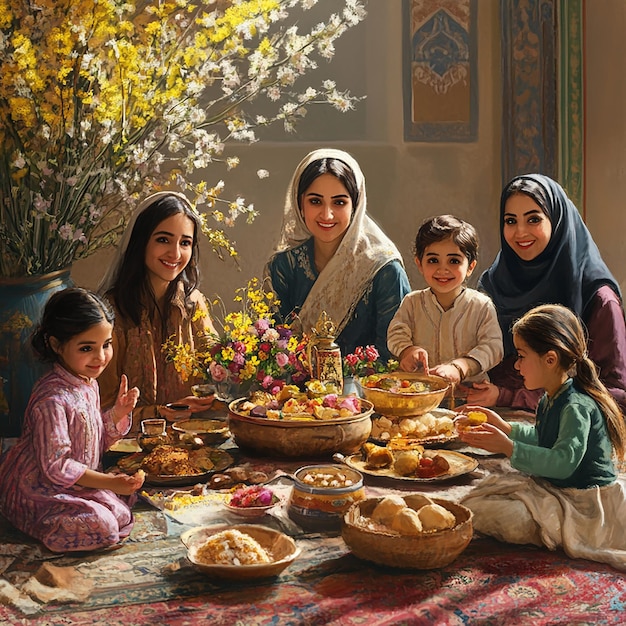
x=407 y=404
x=428 y=550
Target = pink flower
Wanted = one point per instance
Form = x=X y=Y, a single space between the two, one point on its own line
x=282 y=359
x=261 y=325
x=218 y=373
x=330 y=400
x=352 y=360
x=268 y=381
x=351 y=403
x=371 y=353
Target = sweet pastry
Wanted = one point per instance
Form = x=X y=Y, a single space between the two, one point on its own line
x=387 y=509
x=407 y=522
x=376 y=457
x=435 y=517
x=406 y=462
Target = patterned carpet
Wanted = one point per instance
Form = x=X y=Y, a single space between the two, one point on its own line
x=148 y=581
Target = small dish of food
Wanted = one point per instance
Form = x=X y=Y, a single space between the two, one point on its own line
x=253 y=501
x=210 y=431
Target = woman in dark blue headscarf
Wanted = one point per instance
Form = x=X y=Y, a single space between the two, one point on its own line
x=548 y=256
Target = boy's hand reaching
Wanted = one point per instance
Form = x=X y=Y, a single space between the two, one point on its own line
x=126 y=399
x=413 y=359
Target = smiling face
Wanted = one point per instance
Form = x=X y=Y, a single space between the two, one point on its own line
x=526 y=227
x=326 y=209
x=169 y=251
x=88 y=353
x=445 y=268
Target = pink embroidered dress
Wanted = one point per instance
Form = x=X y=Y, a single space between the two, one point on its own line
x=64 y=434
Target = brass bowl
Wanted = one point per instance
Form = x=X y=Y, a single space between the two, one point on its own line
x=210 y=431
x=300 y=439
x=405 y=404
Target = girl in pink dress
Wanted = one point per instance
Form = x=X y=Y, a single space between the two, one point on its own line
x=52 y=486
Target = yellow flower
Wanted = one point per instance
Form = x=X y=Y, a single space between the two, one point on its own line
x=104 y=101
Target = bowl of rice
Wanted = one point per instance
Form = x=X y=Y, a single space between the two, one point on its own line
x=239 y=552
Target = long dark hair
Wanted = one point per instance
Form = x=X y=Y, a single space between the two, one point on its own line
x=555 y=327
x=132 y=276
x=68 y=313
x=337 y=168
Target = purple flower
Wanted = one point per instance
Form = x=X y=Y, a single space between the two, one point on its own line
x=351 y=403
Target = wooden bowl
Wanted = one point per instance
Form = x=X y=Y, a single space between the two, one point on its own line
x=300 y=439
x=405 y=404
x=428 y=550
x=282 y=548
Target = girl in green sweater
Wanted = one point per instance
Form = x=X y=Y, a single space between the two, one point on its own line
x=567 y=492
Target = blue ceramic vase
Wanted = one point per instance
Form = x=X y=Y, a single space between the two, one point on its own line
x=21 y=305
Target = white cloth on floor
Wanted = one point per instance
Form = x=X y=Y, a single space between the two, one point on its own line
x=585 y=523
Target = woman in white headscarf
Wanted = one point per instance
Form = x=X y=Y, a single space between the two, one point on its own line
x=333 y=257
x=152 y=286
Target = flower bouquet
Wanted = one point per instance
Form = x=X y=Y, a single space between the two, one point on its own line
x=365 y=361
x=103 y=101
x=252 y=350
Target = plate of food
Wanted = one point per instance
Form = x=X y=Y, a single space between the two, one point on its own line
x=176 y=466
x=435 y=427
x=411 y=464
x=252 y=501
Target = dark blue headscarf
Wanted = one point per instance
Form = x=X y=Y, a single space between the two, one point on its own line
x=569 y=271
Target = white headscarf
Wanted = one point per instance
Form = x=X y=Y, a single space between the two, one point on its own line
x=363 y=251
x=110 y=278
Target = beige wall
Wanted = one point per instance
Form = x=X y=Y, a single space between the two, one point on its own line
x=406 y=182
x=605 y=140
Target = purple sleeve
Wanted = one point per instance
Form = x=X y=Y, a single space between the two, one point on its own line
x=53 y=445
x=511 y=387
x=607 y=342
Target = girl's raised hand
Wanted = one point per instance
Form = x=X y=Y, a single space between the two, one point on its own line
x=126 y=399
x=492 y=417
x=488 y=437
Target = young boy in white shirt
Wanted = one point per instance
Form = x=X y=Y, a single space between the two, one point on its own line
x=447 y=329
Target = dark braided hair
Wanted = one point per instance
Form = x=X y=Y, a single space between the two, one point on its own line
x=554 y=327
